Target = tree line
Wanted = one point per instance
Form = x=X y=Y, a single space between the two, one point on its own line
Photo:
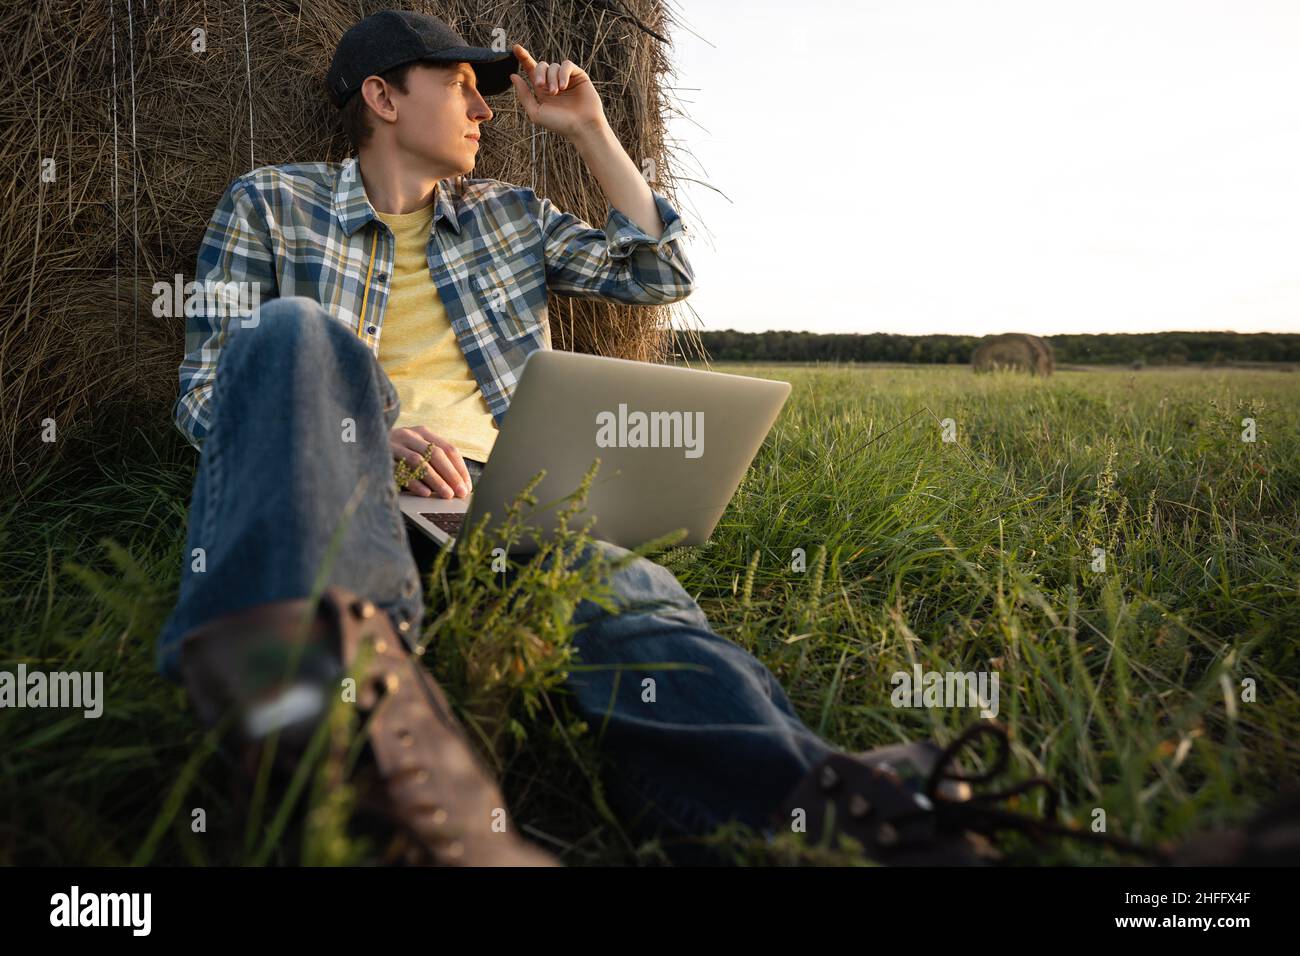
x=1148 y=348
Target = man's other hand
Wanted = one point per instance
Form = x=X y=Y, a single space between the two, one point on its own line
x=445 y=474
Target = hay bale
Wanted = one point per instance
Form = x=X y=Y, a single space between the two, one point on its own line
x=146 y=133
x=1014 y=350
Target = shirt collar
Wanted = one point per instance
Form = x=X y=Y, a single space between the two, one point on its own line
x=353 y=210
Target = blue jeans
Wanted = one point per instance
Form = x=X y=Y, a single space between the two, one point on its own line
x=719 y=743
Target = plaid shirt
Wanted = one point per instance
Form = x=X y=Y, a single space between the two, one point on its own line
x=494 y=251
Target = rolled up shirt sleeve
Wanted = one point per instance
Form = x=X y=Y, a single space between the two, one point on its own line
x=235 y=249
x=621 y=262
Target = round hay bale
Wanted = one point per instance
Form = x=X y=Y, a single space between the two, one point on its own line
x=1016 y=351
x=123 y=125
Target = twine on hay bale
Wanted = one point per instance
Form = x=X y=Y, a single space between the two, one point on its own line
x=1014 y=350
x=146 y=133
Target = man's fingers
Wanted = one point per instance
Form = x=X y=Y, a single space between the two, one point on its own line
x=445 y=473
x=525 y=96
x=436 y=470
x=416 y=487
x=524 y=57
x=461 y=473
x=441 y=469
x=413 y=457
x=453 y=454
x=448 y=473
x=458 y=462
x=552 y=77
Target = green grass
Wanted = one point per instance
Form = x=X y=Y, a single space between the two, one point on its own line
x=1125 y=687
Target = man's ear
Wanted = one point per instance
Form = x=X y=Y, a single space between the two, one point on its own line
x=375 y=92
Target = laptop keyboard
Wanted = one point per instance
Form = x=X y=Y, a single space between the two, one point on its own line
x=448 y=521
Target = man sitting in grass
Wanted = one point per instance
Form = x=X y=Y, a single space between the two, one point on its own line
x=400 y=301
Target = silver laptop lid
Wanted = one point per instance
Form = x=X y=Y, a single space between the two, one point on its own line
x=673 y=442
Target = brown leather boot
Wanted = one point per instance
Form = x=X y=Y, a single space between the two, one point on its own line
x=878 y=799
x=279 y=667
x=913 y=805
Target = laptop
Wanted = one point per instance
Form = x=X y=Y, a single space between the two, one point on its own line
x=673 y=443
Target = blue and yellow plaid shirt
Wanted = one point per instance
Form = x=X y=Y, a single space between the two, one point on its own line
x=494 y=250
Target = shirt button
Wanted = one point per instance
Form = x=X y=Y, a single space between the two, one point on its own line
x=371 y=329
x=383 y=276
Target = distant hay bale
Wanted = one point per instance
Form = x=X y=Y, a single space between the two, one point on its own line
x=145 y=134
x=1014 y=350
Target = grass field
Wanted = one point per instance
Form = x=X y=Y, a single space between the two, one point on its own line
x=1162 y=689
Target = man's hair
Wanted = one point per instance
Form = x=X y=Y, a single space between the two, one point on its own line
x=355 y=114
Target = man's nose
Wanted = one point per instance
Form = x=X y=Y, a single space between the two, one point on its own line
x=481 y=110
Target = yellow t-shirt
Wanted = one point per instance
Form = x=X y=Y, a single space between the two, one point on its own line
x=419 y=352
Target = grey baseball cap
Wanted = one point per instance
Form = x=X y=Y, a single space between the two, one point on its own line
x=390 y=38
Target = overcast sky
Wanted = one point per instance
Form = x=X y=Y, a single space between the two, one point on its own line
x=977 y=166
